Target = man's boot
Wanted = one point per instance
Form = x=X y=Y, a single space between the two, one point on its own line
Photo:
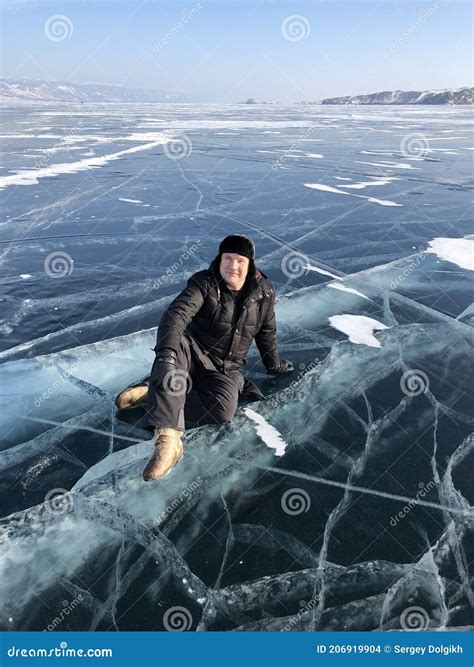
x=168 y=451
x=132 y=396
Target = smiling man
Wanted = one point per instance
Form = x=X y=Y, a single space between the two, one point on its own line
x=202 y=342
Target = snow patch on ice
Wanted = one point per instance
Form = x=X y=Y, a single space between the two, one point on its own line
x=392 y=165
x=359 y=328
x=344 y=288
x=310 y=267
x=364 y=184
x=31 y=176
x=329 y=188
x=267 y=432
x=457 y=251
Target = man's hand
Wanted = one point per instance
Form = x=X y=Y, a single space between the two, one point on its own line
x=163 y=367
x=283 y=367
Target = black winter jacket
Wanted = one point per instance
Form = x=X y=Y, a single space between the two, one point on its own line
x=205 y=309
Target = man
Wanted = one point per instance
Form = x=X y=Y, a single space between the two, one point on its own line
x=202 y=341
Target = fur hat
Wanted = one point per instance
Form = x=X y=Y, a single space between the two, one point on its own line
x=238 y=243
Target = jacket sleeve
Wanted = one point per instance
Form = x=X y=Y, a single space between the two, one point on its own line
x=177 y=316
x=266 y=336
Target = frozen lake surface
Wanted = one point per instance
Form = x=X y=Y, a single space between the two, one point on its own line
x=342 y=501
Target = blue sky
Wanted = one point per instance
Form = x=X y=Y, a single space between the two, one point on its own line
x=239 y=49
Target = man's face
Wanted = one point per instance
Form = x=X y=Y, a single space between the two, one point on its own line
x=234 y=269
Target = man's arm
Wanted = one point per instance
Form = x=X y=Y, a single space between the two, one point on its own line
x=266 y=337
x=267 y=343
x=177 y=316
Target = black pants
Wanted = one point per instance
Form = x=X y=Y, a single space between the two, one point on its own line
x=196 y=391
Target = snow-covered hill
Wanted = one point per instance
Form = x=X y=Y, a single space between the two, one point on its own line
x=62 y=91
x=447 y=96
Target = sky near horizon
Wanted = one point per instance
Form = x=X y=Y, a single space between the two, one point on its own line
x=285 y=51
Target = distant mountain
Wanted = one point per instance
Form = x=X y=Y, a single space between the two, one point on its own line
x=31 y=90
x=448 y=96
x=252 y=100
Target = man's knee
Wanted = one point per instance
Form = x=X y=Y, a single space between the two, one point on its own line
x=224 y=412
